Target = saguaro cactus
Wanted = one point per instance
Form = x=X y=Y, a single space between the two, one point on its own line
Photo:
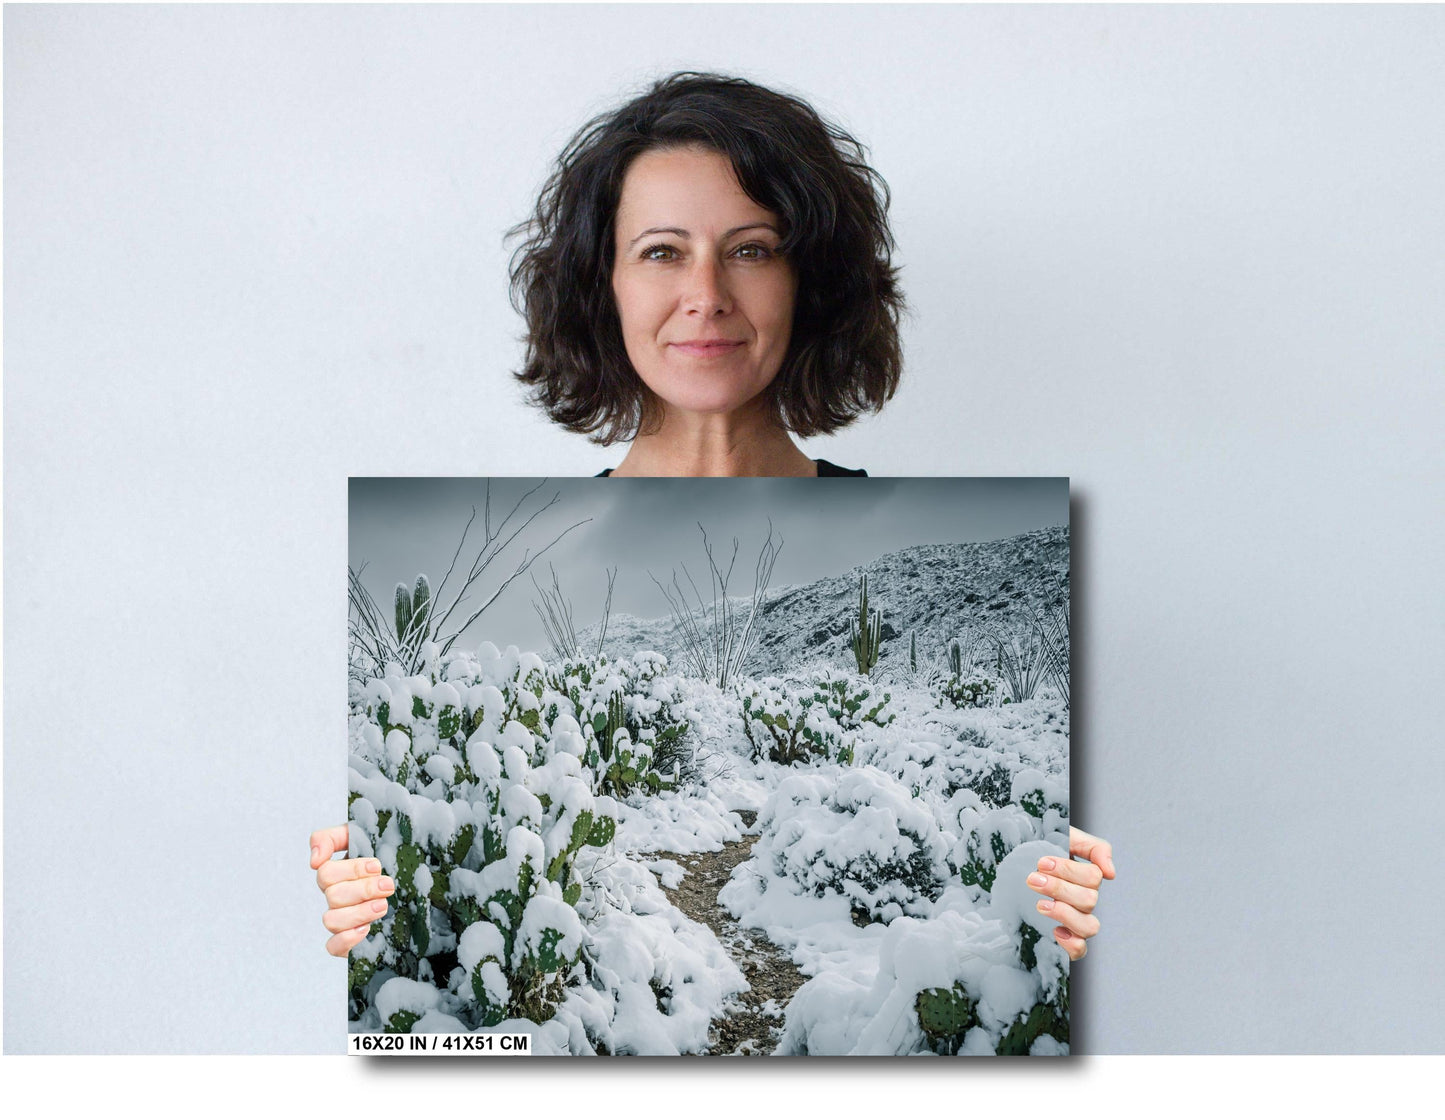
x=412 y=609
x=913 y=650
x=403 y=611
x=421 y=605
x=955 y=658
x=866 y=631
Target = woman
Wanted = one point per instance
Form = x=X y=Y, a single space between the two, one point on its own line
x=707 y=275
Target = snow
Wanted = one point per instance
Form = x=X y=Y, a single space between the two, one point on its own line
x=441 y=768
x=893 y=868
x=546 y=915
x=435 y=1022
x=1013 y=901
x=480 y=941
x=397 y=744
x=398 y=994
x=444 y=695
x=669 y=872
x=697 y=821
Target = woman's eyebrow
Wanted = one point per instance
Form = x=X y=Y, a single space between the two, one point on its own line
x=687 y=236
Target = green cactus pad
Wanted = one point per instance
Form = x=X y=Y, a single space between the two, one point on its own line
x=359 y=972
x=401 y=1022
x=603 y=830
x=1028 y=946
x=462 y=843
x=580 y=828
x=491 y=1013
x=408 y=859
x=400 y=927
x=945 y=1013
x=440 y=884
x=548 y=957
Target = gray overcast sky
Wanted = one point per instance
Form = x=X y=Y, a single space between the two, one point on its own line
x=401 y=526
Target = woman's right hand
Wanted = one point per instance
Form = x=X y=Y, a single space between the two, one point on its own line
x=355 y=889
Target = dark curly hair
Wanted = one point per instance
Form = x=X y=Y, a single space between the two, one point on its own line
x=844 y=355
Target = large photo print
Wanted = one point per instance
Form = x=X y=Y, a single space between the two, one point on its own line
x=712 y=766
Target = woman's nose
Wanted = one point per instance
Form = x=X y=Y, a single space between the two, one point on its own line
x=707 y=291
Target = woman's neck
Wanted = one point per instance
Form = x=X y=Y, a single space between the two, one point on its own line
x=716 y=446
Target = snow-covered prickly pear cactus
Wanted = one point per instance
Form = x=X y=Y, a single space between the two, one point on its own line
x=628 y=712
x=478 y=786
x=945 y=1014
x=821 y=719
x=481 y=831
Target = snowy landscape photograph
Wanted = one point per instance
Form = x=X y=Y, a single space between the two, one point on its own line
x=733 y=766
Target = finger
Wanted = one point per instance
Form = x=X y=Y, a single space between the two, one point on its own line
x=342 y=943
x=1093 y=849
x=349 y=917
x=349 y=892
x=1082 y=899
x=1085 y=925
x=326 y=842
x=336 y=870
x=1072 y=943
x=1073 y=870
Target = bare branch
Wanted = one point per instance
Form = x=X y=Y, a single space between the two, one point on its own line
x=372 y=633
x=606 y=610
x=555 y=613
x=522 y=566
x=715 y=642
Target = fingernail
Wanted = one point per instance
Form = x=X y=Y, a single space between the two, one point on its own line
x=1111 y=865
x=387 y=886
x=373 y=867
x=1046 y=904
x=314 y=853
x=1061 y=933
x=379 y=906
x=1037 y=880
x=1046 y=864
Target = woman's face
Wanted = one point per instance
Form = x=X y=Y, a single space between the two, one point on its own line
x=705 y=300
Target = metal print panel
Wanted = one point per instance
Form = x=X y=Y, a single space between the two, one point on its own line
x=711 y=766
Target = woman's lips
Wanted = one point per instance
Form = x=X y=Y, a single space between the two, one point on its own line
x=706 y=349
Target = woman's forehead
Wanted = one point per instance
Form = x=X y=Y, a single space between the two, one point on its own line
x=682 y=187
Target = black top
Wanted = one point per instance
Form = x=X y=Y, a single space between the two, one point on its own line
x=825 y=470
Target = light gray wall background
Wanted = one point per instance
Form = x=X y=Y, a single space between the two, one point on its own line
x=1190 y=257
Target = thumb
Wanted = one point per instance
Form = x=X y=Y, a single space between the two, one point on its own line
x=326 y=842
x=1098 y=852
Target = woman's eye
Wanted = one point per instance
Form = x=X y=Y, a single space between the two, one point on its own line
x=665 y=250
x=753 y=251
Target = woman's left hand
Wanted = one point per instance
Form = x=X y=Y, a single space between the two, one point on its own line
x=1071 y=889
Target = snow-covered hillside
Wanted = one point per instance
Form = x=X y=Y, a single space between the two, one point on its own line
x=936 y=590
